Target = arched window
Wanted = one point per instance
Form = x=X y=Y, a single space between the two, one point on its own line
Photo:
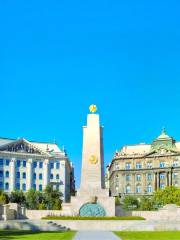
x=7 y=186
x=24 y=187
x=51 y=176
x=40 y=187
x=57 y=176
x=17 y=186
x=138 y=177
x=149 y=188
x=40 y=176
x=128 y=189
x=7 y=174
x=24 y=175
x=138 y=188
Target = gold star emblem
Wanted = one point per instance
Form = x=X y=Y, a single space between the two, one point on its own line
x=93 y=159
x=93 y=108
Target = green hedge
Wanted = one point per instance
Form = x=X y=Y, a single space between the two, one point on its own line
x=92 y=218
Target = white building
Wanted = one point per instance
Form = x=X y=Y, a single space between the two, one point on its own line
x=25 y=165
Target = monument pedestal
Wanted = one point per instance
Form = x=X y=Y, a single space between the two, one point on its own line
x=92 y=199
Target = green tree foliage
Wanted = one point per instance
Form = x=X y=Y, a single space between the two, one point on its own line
x=146 y=204
x=33 y=199
x=52 y=198
x=18 y=197
x=3 y=198
x=170 y=195
x=130 y=203
x=117 y=201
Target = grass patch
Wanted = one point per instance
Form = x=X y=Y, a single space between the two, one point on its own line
x=29 y=235
x=169 y=235
x=92 y=218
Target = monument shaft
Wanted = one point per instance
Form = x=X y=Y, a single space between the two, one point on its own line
x=92 y=174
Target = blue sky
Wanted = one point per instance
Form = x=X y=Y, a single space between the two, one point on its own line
x=58 y=57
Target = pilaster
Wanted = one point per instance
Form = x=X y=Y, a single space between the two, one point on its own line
x=29 y=174
x=12 y=174
x=46 y=173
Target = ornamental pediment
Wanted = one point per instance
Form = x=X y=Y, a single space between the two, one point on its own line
x=162 y=151
x=21 y=146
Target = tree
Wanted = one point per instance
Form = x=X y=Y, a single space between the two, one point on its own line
x=146 y=204
x=169 y=195
x=18 y=197
x=3 y=198
x=33 y=199
x=52 y=198
x=130 y=203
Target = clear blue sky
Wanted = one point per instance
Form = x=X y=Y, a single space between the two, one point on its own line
x=58 y=57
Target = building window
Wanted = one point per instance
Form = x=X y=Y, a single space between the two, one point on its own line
x=162 y=164
x=24 y=175
x=175 y=164
x=57 y=187
x=57 y=176
x=34 y=164
x=162 y=176
x=57 y=165
x=24 y=163
x=18 y=175
x=128 y=189
x=138 y=177
x=7 y=174
x=40 y=164
x=1 y=185
x=175 y=175
x=116 y=166
x=138 y=189
x=7 y=186
x=176 y=184
x=51 y=176
x=40 y=187
x=1 y=173
x=162 y=186
x=34 y=186
x=149 y=188
x=18 y=163
x=40 y=176
x=128 y=166
x=18 y=186
x=128 y=177
x=34 y=175
x=138 y=165
x=51 y=165
x=1 y=162
x=149 y=165
x=24 y=187
x=149 y=177
x=7 y=162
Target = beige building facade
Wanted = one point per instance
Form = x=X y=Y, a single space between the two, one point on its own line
x=144 y=168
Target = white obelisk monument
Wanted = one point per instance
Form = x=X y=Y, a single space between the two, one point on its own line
x=92 y=197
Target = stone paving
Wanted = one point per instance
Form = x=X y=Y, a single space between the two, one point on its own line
x=95 y=235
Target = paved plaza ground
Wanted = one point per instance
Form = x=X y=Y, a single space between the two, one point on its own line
x=95 y=235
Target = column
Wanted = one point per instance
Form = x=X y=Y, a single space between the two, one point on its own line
x=12 y=175
x=158 y=180
x=29 y=174
x=133 y=183
x=63 y=174
x=170 y=178
x=167 y=178
x=155 y=181
x=45 y=173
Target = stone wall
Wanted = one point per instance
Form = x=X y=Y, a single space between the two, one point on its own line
x=39 y=214
x=169 y=211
